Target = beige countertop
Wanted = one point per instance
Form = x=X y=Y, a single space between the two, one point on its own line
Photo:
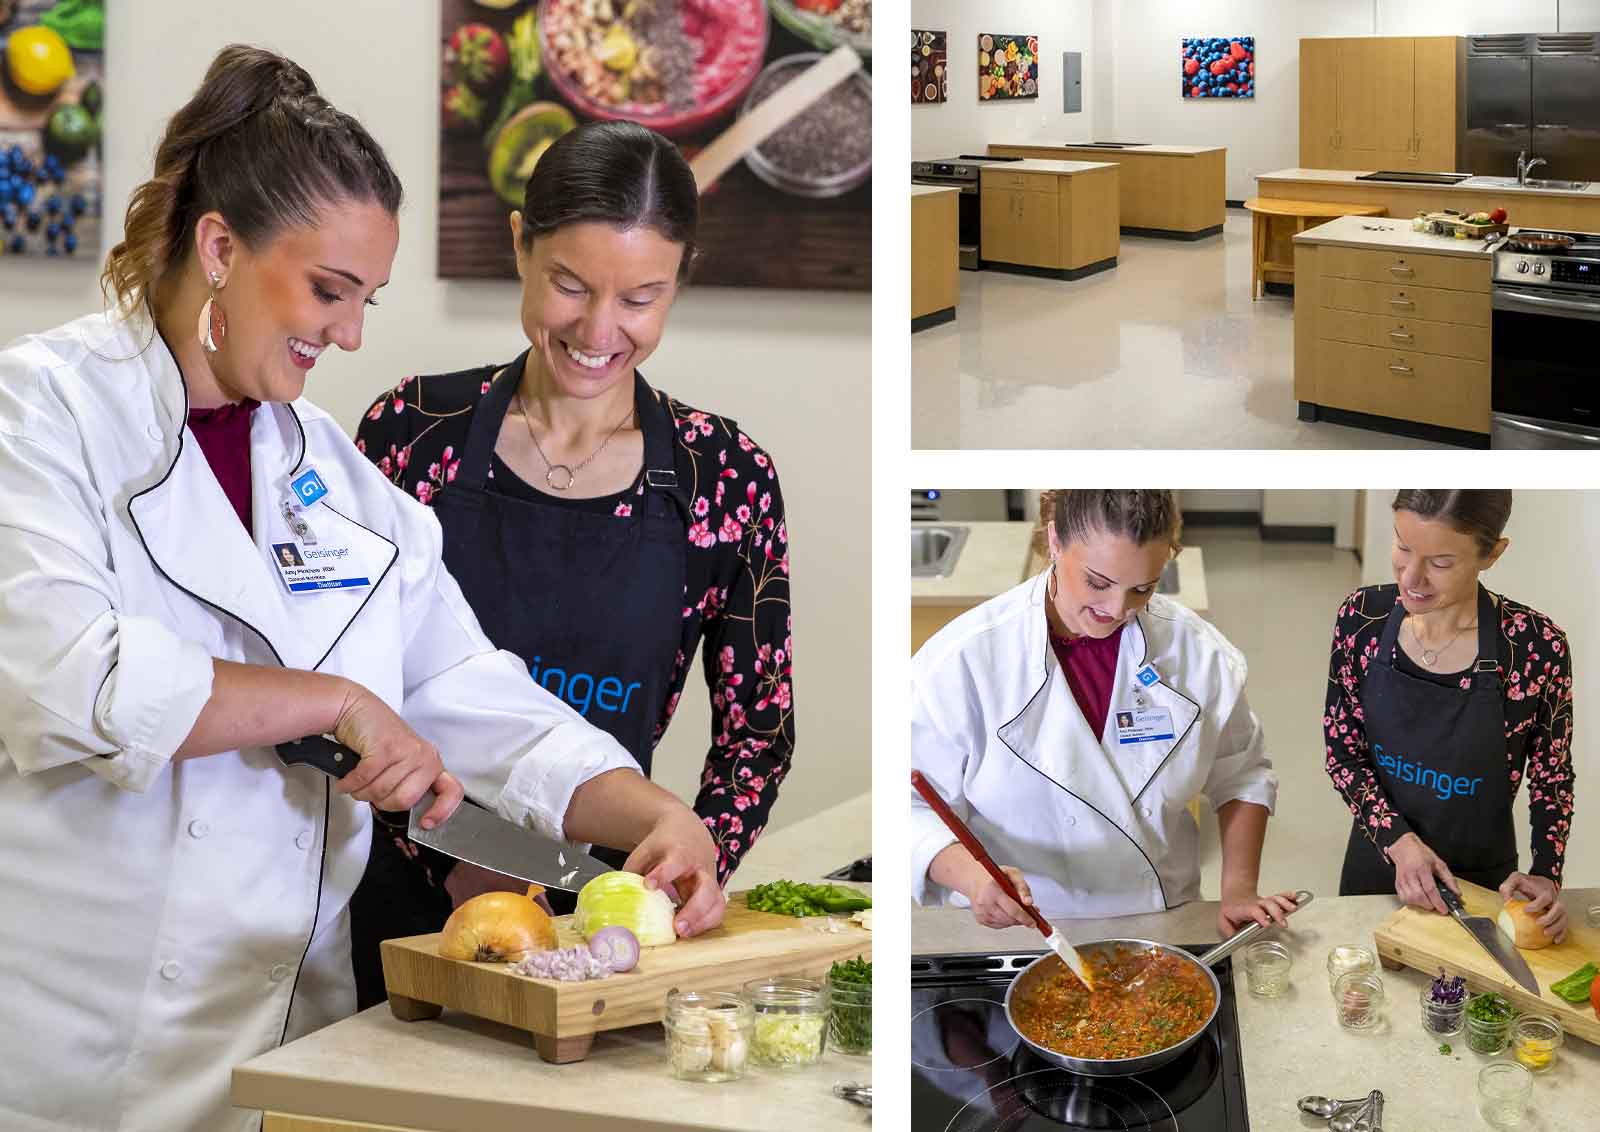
x=1154 y=150
x=1293 y=1045
x=932 y=190
x=1348 y=177
x=994 y=559
x=458 y=1073
x=1389 y=234
x=1060 y=168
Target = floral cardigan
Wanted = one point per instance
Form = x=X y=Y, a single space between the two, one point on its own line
x=736 y=592
x=1535 y=669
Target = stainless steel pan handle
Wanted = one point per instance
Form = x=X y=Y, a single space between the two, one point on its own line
x=1244 y=935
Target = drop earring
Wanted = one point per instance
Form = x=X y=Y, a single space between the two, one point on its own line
x=213 y=324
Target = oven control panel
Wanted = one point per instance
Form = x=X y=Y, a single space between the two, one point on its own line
x=1583 y=272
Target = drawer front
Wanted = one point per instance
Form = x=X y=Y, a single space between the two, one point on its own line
x=1421 y=270
x=1430 y=304
x=1449 y=392
x=1021 y=182
x=1403 y=333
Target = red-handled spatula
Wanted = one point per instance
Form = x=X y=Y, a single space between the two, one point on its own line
x=1052 y=935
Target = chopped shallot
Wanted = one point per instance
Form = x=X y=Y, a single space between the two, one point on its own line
x=567 y=964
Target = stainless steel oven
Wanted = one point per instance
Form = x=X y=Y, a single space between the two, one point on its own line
x=1545 y=383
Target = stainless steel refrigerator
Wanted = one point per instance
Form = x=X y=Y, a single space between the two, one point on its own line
x=1538 y=94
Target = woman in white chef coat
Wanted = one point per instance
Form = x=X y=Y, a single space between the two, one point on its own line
x=1070 y=721
x=175 y=894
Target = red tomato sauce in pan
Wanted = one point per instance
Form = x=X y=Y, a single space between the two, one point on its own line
x=1139 y=1006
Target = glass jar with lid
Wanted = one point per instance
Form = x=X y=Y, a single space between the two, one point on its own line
x=791 y=1021
x=709 y=1035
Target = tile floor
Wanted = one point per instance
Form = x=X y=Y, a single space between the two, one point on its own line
x=1164 y=351
x=1276 y=602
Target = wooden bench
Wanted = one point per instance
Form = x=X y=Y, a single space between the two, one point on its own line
x=1266 y=209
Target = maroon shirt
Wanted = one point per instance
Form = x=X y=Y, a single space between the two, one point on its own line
x=224 y=436
x=1090 y=666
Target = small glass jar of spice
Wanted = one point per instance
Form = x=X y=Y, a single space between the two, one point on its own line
x=1444 y=1005
x=1346 y=958
x=1358 y=1000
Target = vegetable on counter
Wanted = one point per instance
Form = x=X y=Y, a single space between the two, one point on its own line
x=1521 y=928
x=615 y=946
x=1447 y=990
x=620 y=898
x=1444 y=1048
x=1488 y=1020
x=1576 y=987
x=794 y=898
x=850 y=1005
x=564 y=964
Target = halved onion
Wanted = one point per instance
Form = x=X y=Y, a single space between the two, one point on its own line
x=615 y=946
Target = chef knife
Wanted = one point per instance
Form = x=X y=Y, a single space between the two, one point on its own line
x=1494 y=941
x=470 y=834
x=1052 y=934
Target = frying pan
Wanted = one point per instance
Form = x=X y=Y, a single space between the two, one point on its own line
x=1049 y=965
x=1540 y=242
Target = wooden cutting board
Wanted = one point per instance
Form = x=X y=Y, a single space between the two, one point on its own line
x=1429 y=941
x=564 y=1017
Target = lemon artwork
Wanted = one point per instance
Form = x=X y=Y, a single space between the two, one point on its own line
x=39 y=60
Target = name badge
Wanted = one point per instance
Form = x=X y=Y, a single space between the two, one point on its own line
x=1143 y=725
x=307 y=564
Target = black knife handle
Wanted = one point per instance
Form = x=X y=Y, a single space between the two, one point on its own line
x=327 y=755
x=1451 y=900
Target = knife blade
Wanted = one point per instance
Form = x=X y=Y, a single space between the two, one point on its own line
x=471 y=833
x=483 y=838
x=1492 y=940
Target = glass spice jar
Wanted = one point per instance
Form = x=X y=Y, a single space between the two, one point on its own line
x=1535 y=1039
x=1488 y=1023
x=1503 y=1091
x=791 y=1021
x=1346 y=958
x=1441 y=1016
x=709 y=1035
x=1358 y=1000
x=850 y=1016
x=1266 y=969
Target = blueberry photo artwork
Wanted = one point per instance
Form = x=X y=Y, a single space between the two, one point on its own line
x=51 y=98
x=1008 y=67
x=930 y=79
x=1219 y=67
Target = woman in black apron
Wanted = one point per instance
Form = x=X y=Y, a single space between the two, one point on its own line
x=1442 y=698
x=599 y=529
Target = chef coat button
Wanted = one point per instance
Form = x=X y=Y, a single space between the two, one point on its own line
x=171 y=970
x=198 y=829
x=281 y=972
x=304 y=840
x=153 y=432
x=1072 y=820
x=1145 y=811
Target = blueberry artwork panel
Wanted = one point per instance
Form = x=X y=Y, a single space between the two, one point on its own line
x=1219 y=67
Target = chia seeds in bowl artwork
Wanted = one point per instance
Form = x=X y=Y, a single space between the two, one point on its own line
x=826 y=150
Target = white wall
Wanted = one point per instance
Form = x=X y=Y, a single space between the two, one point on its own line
x=962 y=124
x=793 y=369
x=1547 y=566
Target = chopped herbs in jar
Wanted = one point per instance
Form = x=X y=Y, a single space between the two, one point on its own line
x=850 y=1005
x=1488 y=1023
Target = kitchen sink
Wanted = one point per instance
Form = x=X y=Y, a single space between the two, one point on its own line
x=1530 y=183
x=1169 y=579
x=1534 y=183
x=935 y=549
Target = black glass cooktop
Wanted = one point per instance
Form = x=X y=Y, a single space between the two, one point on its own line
x=970 y=1072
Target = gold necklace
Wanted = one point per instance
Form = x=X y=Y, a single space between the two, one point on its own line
x=570 y=470
x=1430 y=657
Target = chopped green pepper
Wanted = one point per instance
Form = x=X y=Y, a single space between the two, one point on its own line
x=1575 y=987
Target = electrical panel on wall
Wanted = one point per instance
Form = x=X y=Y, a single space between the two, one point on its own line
x=1072 y=81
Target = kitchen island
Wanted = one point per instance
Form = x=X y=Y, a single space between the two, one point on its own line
x=1172 y=191
x=1565 y=209
x=1392 y=329
x=1055 y=218
x=935 y=255
x=1293 y=1045
x=457 y=1073
x=994 y=557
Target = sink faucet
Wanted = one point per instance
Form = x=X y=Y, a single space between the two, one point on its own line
x=1524 y=166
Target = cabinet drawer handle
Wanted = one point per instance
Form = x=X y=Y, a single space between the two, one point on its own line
x=1400 y=335
x=1401 y=303
x=1395 y=367
x=1401 y=269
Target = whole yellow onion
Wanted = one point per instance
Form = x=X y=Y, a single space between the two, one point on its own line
x=498 y=927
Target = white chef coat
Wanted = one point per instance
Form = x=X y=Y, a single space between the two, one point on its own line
x=164 y=922
x=1098 y=827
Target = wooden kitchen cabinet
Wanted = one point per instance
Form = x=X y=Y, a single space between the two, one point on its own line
x=1397 y=334
x=1379 y=102
x=1064 y=224
x=1021 y=227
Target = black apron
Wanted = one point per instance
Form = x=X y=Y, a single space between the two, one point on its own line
x=591 y=602
x=1441 y=756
